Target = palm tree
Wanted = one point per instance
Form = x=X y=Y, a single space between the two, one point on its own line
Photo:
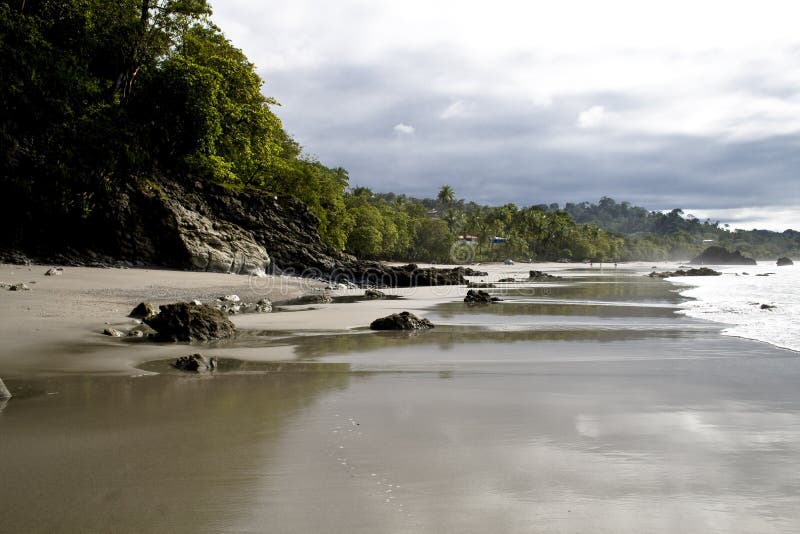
x=446 y=195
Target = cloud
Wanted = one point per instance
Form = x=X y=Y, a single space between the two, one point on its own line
x=663 y=107
x=592 y=117
x=404 y=129
x=457 y=109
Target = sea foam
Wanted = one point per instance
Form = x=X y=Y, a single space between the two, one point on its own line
x=736 y=297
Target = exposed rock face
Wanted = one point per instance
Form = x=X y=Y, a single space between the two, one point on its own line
x=4 y=392
x=189 y=322
x=784 y=261
x=196 y=363
x=702 y=271
x=480 y=297
x=401 y=321
x=143 y=310
x=721 y=256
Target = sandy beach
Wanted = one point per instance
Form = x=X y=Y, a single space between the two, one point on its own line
x=578 y=404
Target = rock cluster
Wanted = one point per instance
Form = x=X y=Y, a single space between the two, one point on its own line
x=721 y=256
x=185 y=321
x=480 y=297
x=702 y=271
x=401 y=321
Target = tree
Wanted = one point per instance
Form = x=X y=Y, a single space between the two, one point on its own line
x=446 y=195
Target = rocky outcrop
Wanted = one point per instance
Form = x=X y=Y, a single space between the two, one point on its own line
x=401 y=321
x=702 y=271
x=480 y=297
x=784 y=261
x=190 y=322
x=721 y=256
x=196 y=363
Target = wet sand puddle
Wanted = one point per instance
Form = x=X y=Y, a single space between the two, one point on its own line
x=591 y=408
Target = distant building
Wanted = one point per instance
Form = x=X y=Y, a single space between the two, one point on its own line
x=468 y=239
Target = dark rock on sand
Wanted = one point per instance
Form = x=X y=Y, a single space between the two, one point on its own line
x=374 y=294
x=189 y=322
x=4 y=392
x=506 y=280
x=767 y=307
x=721 y=256
x=54 y=271
x=702 y=271
x=466 y=271
x=540 y=275
x=143 y=310
x=19 y=287
x=312 y=298
x=784 y=261
x=196 y=362
x=480 y=297
x=401 y=321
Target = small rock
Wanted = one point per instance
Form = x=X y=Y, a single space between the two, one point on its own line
x=484 y=285
x=401 y=321
x=113 y=332
x=54 y=271
x=479 y=297
x=144 y=310
x=313 y=298
x=19 y=287
x=230 y=298
x=185 y=322
x=196 y=362
x=374 y=294
x=768 y=307
x=263 y=306
x=784 y=261
x=195 y=302
x=506 y=280
x=4 y=392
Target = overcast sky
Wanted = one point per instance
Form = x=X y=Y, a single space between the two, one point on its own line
x=690 y=104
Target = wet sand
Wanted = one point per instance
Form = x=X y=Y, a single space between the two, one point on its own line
x=582 y=405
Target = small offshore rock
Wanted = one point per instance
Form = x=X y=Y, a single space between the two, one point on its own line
x=506 y=280
x=374 y=294
x=768 y=307
x=716 y=255
x=4 y=392
x=479 y=297
x=113 y=332
x=54 y=271
x=19 y=287
x=230 y=298
x=144 y=310
x=401 y=321
x=702 y=271
x=784 y=261
x=196 y=362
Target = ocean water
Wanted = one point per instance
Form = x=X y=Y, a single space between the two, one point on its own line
x=735 y=299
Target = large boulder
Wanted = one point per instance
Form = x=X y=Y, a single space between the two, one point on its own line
x=143 y=310
x=401 y=321
x=784 y=261
x=721 y=256
x=189 y=322
x=4 y=392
